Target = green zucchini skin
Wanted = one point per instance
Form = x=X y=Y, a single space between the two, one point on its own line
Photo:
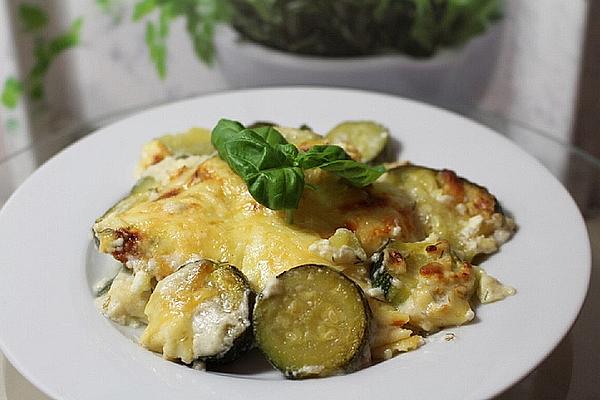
x=271 y=339
x=245 y=341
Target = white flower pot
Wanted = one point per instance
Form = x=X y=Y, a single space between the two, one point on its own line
x=452 y=78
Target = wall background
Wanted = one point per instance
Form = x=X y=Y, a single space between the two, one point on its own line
x=109 y=73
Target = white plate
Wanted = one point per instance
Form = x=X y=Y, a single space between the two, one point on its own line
x=53 y=335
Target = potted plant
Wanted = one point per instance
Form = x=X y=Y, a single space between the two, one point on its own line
x=417 y=48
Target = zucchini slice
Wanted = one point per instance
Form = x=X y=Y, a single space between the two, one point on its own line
x=452 y=208
x=369 y=138
x=312 y=321
x=302 y=137
x=195 y=142
x=426 y=281
x=201 y=312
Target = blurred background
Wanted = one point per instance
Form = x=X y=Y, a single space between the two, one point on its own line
x=74 y=65
x=529 y=69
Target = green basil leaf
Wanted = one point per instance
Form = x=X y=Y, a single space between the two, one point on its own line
x=321 y=154
x=358 y=174
x=250 y=154
x=290 y=151
x=225 y=131
x=277 y=189
x=273 y=169
x=271 y=135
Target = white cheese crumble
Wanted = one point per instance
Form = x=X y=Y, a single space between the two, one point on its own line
x=442 y=198
x=461 y=208
x=471 y=226
x=376 y=292
x=115 y=245
x=396 y=231
x=215 y=326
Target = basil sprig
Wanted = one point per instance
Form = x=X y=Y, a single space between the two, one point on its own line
x=273 y=169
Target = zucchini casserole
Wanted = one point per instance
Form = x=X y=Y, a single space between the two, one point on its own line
x=349 y=275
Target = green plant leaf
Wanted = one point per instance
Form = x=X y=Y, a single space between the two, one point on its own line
x=320 y=155
x=226 y=130
x=67 y=40
x=167 y=11
x=143 y=8
x=277 y=189
x=11 y=93
x=264 y=160
x=249 y=153
x=273 y=169
x=356 y=173
x=32 y=17
x=105 y=5
x=270 y=135
x=157 y=49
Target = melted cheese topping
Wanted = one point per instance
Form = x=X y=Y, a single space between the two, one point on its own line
x=206 y=211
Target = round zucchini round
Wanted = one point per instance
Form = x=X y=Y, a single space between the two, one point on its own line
x=369 y=138
x=312 y=321
x=203 y=311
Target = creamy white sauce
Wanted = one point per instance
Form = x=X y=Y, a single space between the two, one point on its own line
x=215 y=326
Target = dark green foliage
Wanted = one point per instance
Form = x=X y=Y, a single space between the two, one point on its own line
x=362 y=27
x=200 y=16
x=32 y=17
x=333 y=28
x=45 y=51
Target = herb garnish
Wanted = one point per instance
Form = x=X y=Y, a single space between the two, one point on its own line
x=273 y=169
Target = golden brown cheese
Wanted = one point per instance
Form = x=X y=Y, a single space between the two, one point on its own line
x=206 y=211
x=427 y=282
